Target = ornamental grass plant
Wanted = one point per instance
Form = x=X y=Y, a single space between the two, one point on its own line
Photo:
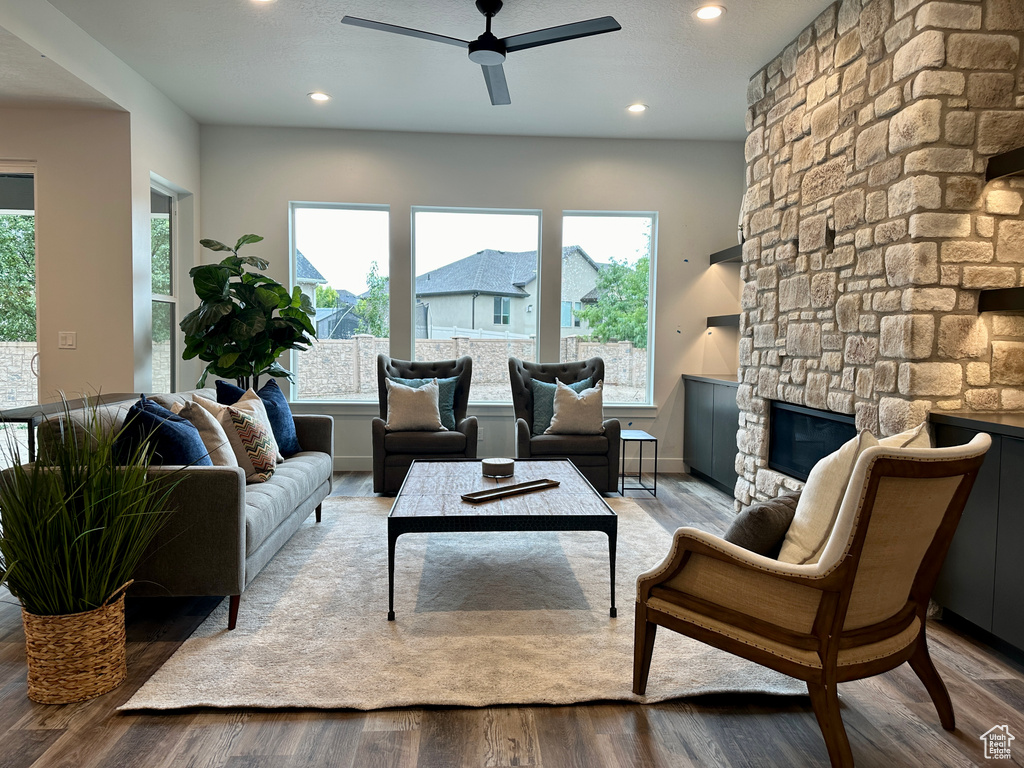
x=75 y=524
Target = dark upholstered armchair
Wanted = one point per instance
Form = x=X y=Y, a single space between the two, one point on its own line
x=596 y=456
x=393 y=452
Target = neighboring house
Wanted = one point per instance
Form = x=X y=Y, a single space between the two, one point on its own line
x=340 y=321
x=495 y=292
x=307 y=277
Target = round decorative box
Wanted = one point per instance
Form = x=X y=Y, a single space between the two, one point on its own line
x=498 y=467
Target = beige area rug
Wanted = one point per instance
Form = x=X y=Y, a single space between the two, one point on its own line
x=482 y=619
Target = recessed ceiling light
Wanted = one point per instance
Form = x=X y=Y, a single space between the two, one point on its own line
x=636 y=108
x=709 y=12
x=319 y=96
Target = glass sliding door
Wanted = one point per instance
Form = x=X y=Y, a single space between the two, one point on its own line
x=476 y=290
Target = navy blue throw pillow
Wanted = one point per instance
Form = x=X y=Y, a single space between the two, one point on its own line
x=175 y=440
x=278 y=411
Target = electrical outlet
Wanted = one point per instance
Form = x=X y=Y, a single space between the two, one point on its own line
x=67 y=340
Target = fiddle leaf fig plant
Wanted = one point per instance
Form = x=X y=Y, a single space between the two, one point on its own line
x=245 y=320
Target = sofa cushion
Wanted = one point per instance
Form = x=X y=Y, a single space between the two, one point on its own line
x=278 y=412
x=268 y=504
x=445 y=396
x=564 y=445
x=544 y=401
x=424 y=442
x=577 y=413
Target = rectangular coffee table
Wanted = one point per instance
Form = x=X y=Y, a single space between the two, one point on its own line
x=430 y=502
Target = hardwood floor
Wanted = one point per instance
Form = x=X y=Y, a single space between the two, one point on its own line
x=890 y=719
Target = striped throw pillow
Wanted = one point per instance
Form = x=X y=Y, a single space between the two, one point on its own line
x=260 y=458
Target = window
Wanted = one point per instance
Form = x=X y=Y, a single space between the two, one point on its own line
x=608 y=299
x=164 y=327
x=502 y=306
x=340 y=257
x=466 y=262
x=570 y=310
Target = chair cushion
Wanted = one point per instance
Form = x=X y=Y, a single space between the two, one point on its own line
x=566 y=445
x=279 y=413
x=413 y=408
x=426 y=443
x=268 y=504
x=761 y=527
x=445 y=396
x=544 y=401
x=577 y=413
x=174 y=440
x=820 y=501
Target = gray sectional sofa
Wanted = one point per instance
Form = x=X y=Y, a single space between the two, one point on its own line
x=222 y=531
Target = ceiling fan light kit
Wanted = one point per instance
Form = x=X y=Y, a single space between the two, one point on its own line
x=489 y=51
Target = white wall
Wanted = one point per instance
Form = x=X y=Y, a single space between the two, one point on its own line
x=250 y=175
x=163 y=142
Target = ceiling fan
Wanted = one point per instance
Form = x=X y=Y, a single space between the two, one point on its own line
x=489 y=51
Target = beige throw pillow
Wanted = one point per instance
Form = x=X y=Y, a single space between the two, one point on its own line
x=917 y=437
x=248 y=403
x=820 y=501
x=577 y=414
x=210 y=431
x=413 y=409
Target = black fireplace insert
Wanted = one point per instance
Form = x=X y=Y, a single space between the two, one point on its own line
x=799 y=436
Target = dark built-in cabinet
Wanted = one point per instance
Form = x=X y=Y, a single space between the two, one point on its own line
x=984 y=571
x=710 y=422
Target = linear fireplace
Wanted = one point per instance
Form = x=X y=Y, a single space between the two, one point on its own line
x=798 y=436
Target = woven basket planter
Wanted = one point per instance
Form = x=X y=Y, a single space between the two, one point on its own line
x=77 y=656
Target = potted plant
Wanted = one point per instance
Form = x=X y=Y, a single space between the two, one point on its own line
x=73 y=527
x=245 y=320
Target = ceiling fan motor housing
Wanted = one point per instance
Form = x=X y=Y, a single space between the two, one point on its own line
x=487 y=50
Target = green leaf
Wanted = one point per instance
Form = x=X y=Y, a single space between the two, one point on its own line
x=247 y=324
x=202 y=379
x=246 y=239
x=227 y=360
x=214 y=245
x=267 y=298
x=254 y=261
x=211 y=282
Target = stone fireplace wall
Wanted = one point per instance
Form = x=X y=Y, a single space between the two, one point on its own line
x=868 y=226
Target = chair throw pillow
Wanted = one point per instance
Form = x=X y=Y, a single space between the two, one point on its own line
x=413 y=409
x=279 y=413
x=820 y=501
x=173 y=439
x=762 y=526
x=577 y=413
x=210 y=432
x=250 y=402
x=260 y=457
x=917 y=437
x=544 y=401
x=445 y=396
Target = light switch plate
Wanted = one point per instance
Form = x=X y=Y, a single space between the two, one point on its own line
x=67 y=340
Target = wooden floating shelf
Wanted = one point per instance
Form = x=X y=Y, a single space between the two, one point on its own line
x=1006 y=164
x=1001 y=300
x=729 y=254
x=724 y=321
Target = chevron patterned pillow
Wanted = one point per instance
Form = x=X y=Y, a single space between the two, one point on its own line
x=258 y=456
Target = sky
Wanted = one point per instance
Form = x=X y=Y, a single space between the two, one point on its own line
x=342 y=243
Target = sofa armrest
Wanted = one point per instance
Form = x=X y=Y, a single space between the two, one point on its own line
x=377 y=433
x=522 y=439
x=469 y=427
x=201 y=548
x=315 y=433
x=613 y=431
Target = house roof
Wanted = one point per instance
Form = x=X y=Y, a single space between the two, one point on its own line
x=305 y=271
x=497 y=273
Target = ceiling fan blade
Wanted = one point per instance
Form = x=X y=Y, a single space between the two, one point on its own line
x=497 y=88
x=382 y=27
x=561 y=33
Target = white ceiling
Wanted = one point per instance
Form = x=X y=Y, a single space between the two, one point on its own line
x=242 y=62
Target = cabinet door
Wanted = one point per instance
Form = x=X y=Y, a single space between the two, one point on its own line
x=967 y=580
x=697 y=420
x=1008 y=608
x=723 y=440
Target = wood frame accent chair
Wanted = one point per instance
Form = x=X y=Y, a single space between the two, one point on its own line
x=859 y=611
x=596 y=456
x=393 y=452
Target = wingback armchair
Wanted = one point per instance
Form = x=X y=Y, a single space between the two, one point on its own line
x=393 y=452
x=859 y=611
x=596 y=456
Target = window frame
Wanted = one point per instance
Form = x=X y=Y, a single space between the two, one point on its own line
x=502 y=310
x=172 y=297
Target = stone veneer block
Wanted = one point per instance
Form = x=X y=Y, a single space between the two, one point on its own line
x=906 y=337
x=940 y=225
x=940 y=159
x=928 y=299
x=914 y=125
x=962 y=336
x=931 y=379
x=999 y=131
x=978 y=374
x=825 y=180
x=812 y=233
x=1010 y=245
x=925 y=51
x=912 y=263
x=803 y=340
x=948 y=16
x=958 y=251
x=872 y=145
x=1005 y=202
x=913 y=193
x=794 y=293
x=1008 y=362
x=933 y=82
x=1007 y=325
x=896 y=414
x=989 y=277
x=1005 y=15
x=982 y=51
